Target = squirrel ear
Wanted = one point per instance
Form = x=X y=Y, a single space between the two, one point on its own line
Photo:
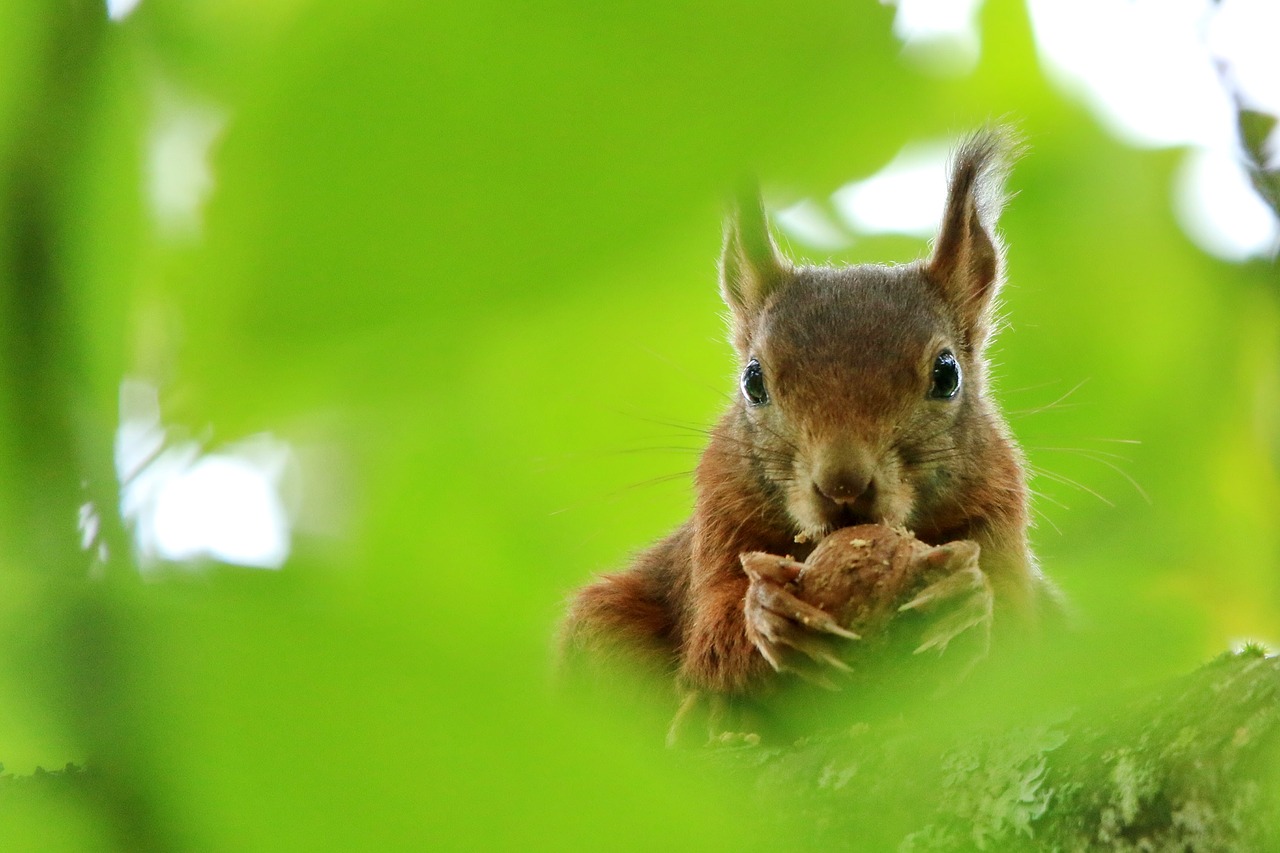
x=967 y=263
x=751 y=267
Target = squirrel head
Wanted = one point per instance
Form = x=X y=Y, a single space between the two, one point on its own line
x=862 y=388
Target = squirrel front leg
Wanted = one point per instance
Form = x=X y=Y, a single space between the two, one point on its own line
x=1004 y=589
x=747 y=624
x=1009 y=565
x=718 y=656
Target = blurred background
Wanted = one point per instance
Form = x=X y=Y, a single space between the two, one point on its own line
x=343 y=341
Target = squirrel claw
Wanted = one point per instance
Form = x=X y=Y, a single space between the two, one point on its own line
x=779 y=664
x=792 y=635
x=773 y=597
x=834 y=628
x=971 y=601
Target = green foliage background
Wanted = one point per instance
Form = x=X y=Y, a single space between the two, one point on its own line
x=469 y=248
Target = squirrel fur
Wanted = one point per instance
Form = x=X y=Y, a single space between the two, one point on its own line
x=843 y=419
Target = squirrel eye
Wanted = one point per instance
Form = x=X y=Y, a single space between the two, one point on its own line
x=753 y=384
x=946 y=376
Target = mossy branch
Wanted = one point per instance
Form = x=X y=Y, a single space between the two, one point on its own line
x=1188 y=766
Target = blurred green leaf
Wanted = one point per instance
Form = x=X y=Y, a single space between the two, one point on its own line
x=466 y=253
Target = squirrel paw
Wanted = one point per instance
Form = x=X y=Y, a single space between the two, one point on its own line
x=963 y=599
x=793 y=636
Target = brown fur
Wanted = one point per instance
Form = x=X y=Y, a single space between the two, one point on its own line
x=849 y=434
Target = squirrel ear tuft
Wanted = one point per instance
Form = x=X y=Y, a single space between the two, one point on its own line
x=751 y=268
x=967 y=263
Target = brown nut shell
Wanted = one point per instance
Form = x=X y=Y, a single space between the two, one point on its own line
x=861 y=575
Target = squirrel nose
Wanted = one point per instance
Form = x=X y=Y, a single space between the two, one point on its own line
x=844 y=485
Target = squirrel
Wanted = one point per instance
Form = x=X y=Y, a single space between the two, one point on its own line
x=863 y=398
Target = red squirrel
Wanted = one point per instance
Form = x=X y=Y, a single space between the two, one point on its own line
x=862 y=398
